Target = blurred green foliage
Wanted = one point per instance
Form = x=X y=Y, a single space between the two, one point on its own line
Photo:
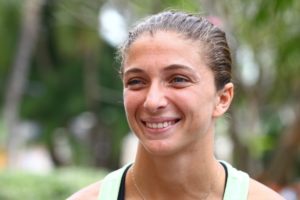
x=59 y=184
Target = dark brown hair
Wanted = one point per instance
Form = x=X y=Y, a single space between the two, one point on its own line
x=212 y=39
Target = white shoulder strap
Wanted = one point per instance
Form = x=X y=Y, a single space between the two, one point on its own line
x=237 y=184
x=110 y=185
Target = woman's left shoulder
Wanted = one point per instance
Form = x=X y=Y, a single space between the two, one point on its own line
x=259 y=191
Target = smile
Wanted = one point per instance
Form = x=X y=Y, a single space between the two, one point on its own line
x=160 y=125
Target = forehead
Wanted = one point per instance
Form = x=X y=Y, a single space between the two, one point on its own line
x=163 y=47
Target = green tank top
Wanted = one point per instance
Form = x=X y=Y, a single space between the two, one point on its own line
x=236 y=186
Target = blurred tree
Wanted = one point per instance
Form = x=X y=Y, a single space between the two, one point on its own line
x=266 y=111
x=20 y=69
x=78 y=65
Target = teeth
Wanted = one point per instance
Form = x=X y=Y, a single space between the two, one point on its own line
x=165 y=124
x=159 y=125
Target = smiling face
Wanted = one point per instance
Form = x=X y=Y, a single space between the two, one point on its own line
x=170 y=96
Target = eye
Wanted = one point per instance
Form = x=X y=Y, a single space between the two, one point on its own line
x=135 y=83
x=179 y=81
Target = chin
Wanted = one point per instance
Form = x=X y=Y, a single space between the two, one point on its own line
x=159 y=148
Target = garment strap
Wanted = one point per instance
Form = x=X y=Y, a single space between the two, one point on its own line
x=121 y=195
x=237 y=184
x=110 y=185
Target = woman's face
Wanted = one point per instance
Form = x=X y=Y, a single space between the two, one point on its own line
x=169 y=93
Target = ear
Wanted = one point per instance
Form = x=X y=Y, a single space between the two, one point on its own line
x=223 y=100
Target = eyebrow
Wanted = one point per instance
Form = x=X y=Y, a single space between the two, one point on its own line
x=168 y=68
x=179 y=66
x=133 y=70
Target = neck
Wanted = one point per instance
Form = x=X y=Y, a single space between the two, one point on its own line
x=192 y=174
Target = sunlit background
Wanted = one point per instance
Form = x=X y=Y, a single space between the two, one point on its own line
x=62 y=122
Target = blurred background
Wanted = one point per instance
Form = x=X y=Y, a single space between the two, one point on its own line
x=62 y=121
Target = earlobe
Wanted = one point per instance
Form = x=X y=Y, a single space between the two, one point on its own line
x=224 y=98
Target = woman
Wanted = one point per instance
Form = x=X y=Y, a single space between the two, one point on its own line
x=176 y=72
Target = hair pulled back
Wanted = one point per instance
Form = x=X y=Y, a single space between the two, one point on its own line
x=211 y=39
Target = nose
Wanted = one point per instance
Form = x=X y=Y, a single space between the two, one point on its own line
x=156 y=98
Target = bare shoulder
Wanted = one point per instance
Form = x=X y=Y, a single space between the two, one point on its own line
x=90 y=192
x=259 y=191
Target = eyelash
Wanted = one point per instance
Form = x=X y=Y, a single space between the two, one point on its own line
x=135 y=83
x=180 y=79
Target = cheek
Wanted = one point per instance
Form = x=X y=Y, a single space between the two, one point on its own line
x=127 y=102
x=198 y=103
x=131 y=102
x=189 y=99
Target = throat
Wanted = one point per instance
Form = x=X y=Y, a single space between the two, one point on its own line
x=175 y=183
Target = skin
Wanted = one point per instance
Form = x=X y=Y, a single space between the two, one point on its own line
x=168 y=85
